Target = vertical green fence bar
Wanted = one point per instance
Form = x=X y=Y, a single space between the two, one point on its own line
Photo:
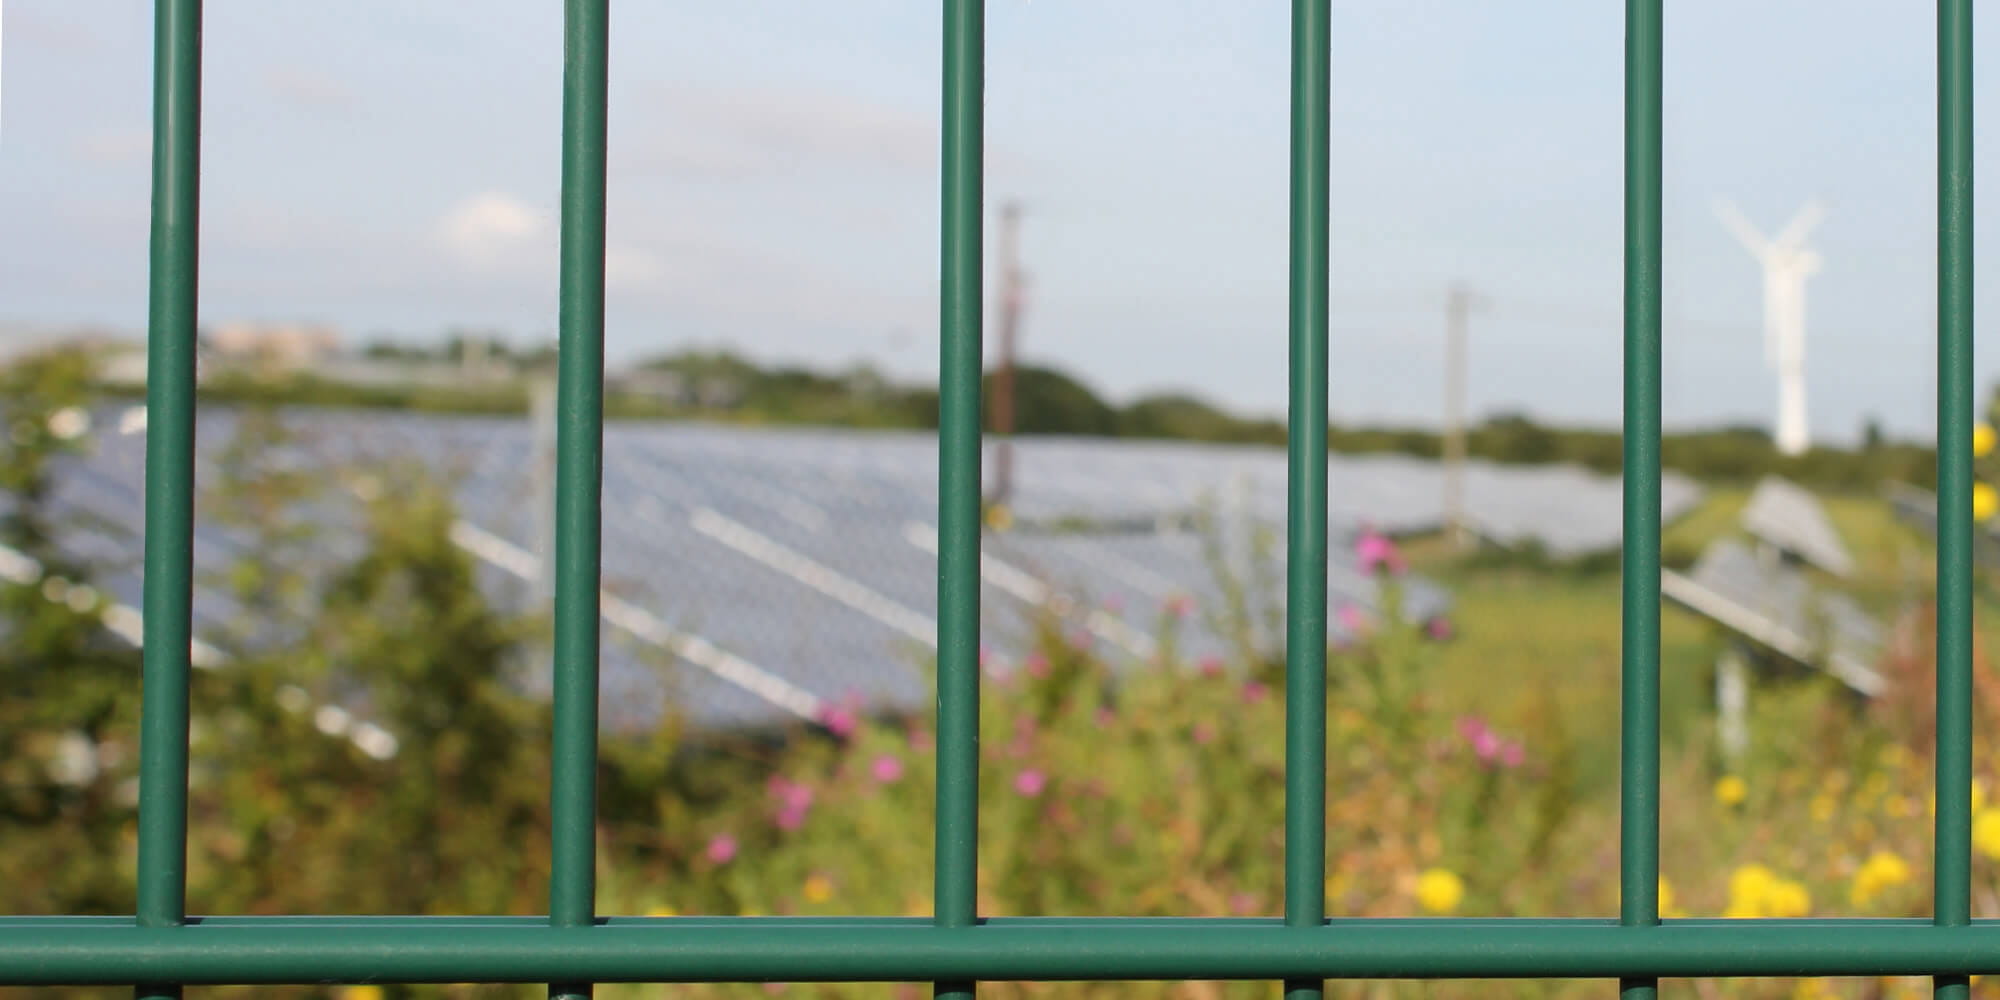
x=1305 y=503
x=1952 y=893
x=169 y=555
x=579 y=473
x=1639 y=727
x=959 y=361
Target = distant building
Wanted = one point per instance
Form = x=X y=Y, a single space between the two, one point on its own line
x=283 y=347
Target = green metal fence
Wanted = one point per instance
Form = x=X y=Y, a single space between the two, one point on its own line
x=161 y=946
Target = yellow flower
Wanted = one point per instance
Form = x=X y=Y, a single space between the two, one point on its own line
x=999 y=518
x=1986 y=832
x=916 y=906
x=1814 y=989
x=1787 y=899
x=1749 y=884
x=1731 y=790
x=1882 y=870
x=1756 y=891
x=1985 y=502
x=818 y=888
x=1667 y=898
x=365 y=991
x=1823 y=807
x=1439 y=891
x=663 y=911
x=1982 y=441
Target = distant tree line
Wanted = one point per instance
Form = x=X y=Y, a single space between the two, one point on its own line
x=729 y=387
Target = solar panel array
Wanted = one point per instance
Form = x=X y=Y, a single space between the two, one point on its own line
x=758 y=574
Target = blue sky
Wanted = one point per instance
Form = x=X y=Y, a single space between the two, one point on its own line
x=392 y=165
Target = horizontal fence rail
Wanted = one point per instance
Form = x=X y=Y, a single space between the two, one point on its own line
x=573 y=946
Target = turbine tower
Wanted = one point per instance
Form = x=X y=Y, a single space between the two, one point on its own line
x=1787 y=264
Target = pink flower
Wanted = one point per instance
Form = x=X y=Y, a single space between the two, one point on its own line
x=721 y=849
x=1254 y=691
x=1438 y=628
x=1243 y=903
x=1180 y=606
x=1211 y=665
x=920 y=739
x=795 y=800
x=1030 y=782
x=887 y=768
x=1106 y=716
x=1036 y=664
x=1114 y=603
x=1352 y=618
x=1081 y=638
x=1490 y=747
x=1204 y=733
x=1377 y=552
x=842 y=718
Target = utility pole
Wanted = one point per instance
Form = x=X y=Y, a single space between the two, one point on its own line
x=1458 y=305
x=1012 y=294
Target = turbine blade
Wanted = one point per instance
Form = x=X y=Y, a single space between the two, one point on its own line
x=1740 y=228
x=1795 y=231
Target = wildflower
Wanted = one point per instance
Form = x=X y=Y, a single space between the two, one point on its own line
x=920 y=739
x=1822 y=807
x=1030 y=782
x=1986 y=832
x=1756 y=891
x=842 y=718
x=1352 y=618
x=1210 y=665
x=1254 y=691
x=663 y=911
x=1204 y=733
x=1788 y=899
x=1439 y=891
x=1985 y=502
x=1180 y=606
x=364 y=991
x=817 y=889
x=1489 y=746
x=887 y=769
x=1243 y=903
x=1982 y=441
x=1666 y=897
x=1747 y=888
x=1882 y=870
x=1080 y=638
x=1037 y=664
x=1438 y=628
x=721 y=849
x=1731 y=790
x=1376 y=552
x=1105 y=716
x=794 y=802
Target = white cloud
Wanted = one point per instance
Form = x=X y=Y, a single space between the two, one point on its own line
x=489 y=228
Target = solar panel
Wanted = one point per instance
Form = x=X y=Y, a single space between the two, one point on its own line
x=761 y=570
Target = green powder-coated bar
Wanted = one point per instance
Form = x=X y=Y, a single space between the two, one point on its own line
x=957 y=847
x=260 y=951
x=579 y=474
x=1305 y=504
x=169 y=554
x=1639 y=730
x=1952 y=893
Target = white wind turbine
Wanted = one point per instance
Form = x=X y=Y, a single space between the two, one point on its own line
x=1787 y=264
